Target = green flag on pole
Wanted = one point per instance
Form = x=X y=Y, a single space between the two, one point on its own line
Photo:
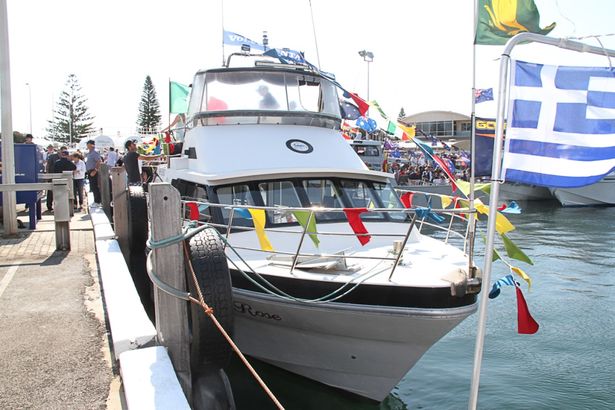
x=499 y=20
x=178 y=98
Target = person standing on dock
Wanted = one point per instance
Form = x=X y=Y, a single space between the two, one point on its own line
x=131 y=162
x=112 y=157
x=78 y=177
x=92 y=164
x=50 y=161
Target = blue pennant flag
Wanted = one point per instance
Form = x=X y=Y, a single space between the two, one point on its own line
x=505 y=281
x=234 y=39
x=427 y=213
x=482 y=95
x=561 y=125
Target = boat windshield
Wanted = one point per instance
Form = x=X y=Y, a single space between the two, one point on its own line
x=251 y=91
x=331 y=195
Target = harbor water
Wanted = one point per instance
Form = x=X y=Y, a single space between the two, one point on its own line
x=568 y=364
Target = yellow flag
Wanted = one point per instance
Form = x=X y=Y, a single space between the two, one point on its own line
x=464 y=186
x=446 y=201
x=258 y=217
x=502 y=224
x=410 y=131
x=523 y=275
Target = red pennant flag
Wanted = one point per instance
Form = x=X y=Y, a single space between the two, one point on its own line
x=354 y=219
x=363 y=106
x=526 y=325
x=458 y=205
x=405 y=137
x=406 y=199
x=444 y=168
x=194 y=210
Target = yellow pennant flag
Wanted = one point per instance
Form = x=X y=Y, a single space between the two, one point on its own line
x=258 y=217
x=502 y=224
x=410 y=131
x=446 y=201
x=523 y=275
x=464 y=186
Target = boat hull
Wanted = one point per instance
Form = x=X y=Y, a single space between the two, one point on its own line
x=363 y=349
x=601 y=193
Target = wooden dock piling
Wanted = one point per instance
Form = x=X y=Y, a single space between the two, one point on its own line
x=168 y=264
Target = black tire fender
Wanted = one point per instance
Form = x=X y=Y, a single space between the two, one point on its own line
x=137 y=219
x=138 y=231
x=209 y=349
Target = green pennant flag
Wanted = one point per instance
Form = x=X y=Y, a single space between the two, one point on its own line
x=513 y=251
x=377 y=106
x=302 y=218
x=391 y=128
x=499 y=20
x=178 y=98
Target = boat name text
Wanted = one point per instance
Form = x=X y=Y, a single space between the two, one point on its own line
x=246 y=308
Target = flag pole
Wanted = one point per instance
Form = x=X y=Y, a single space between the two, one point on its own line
x=169 y=105
x=493 y=209
x=472 y=219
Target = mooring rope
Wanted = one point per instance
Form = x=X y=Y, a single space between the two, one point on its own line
x=210 y=312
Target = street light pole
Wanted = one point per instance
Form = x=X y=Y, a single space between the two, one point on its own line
x=30 y=105
x=368 y=57
x=9 y=211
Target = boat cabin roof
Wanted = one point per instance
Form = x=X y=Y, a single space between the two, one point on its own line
x=246 y=95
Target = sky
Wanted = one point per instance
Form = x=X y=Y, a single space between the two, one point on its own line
x=422 y=49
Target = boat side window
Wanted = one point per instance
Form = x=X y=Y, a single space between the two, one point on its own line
x=323 y=193
x=361 y=195
x=280 y=194
x=196 y=94
x=389 y=199
x=235 y=195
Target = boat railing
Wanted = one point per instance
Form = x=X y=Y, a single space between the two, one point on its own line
x=456 y=228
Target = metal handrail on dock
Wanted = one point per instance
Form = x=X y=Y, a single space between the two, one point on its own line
x=63 y=209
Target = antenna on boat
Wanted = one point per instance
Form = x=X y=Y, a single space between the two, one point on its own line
x=265 y=40
x=314 y=31
x=222 y=20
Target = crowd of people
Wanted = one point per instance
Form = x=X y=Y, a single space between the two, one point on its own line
x=85 y=166
x=416 y=170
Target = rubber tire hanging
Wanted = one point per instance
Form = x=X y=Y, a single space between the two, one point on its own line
x=138 y=231
x=209 y=349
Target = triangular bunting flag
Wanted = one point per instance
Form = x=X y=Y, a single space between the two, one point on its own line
x=526 y=324
x=354 y=219
x=303 y=217
x=258 y=217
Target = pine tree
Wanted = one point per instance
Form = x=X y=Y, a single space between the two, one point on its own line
x=71 y=119
x=149 y=108
x=401 y=114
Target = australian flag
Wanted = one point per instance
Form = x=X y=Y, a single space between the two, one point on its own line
x=561 y=125
x=481 y=95
x=367 y=124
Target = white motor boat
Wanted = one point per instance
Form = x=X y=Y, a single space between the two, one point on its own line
x=602 y=193
x=352 y=301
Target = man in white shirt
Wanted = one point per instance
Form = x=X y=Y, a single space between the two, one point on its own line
x=111 y=157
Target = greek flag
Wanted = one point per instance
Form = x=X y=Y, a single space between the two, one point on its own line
x=561 y=125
